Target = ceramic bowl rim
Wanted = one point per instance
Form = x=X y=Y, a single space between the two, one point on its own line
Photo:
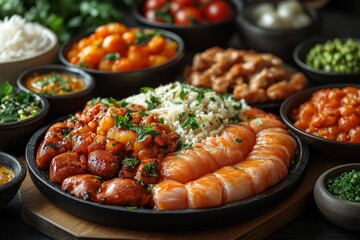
x=311 y=42
x=21 y=123
x=19 y=176
x=84 y=76
x=179 y=54
x=138 y=16
x=287 y=120
x=53 y=44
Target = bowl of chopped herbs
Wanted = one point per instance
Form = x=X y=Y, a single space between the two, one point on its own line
x=337 y=195
x=21 y=114
x=329 y=59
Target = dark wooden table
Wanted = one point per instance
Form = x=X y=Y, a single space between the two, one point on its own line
x=339 y=18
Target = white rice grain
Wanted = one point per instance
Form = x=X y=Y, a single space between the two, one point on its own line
x=179 y=103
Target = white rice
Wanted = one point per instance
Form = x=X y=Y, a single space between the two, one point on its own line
x=212 y=112
x=20 y=39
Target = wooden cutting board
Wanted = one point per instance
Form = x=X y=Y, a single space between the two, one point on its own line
x=47 y=218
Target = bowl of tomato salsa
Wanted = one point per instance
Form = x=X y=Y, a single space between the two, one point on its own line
x=123 y=59
x=66 y=88
x=201 y=23
x=326 y=117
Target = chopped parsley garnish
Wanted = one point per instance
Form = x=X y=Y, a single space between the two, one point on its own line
x=142 y=37
x=186 y=145
x=153 y=102
x=191 y=121
x=152 y=169
x=346 y=186
x=108 y=101
x=66 y=133
x=123 y=121
x=112 y=56
x=144 y=131
x=15 y=107
x=238 y=140
x=149 y=188
x=146 y=89
x=131 y=162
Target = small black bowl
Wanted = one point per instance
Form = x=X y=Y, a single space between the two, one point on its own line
x=344 y=214
x=62 y=104
x=15 y=135
x=196 y=37
x=328 y=147
x=318 y=76
x=280 y=42
x=9 y=190
x=123 y=84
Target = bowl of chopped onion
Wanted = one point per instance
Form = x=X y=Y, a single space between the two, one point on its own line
x=24 y=45
x=337 y=195
x=21 y=114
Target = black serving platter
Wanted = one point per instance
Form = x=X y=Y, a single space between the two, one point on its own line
x=150 y=219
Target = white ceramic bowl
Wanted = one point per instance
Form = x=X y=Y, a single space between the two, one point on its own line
x=9 y=71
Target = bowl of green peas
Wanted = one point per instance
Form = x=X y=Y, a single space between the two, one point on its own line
x=21 y=114
x=337 y=195
x=326 y=59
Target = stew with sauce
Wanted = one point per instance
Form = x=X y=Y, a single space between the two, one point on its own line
x=55 y=83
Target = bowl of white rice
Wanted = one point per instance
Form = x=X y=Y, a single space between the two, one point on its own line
x=24 y=45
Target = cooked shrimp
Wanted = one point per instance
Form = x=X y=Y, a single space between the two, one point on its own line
x=169 y=195
x=259 y=124
x=265 y=166
x=232 y=146
x=204 y=192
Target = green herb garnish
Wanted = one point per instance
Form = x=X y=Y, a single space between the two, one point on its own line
x=131 y=162
x=15 y=107
x=152 y=169
x=191 y=121
x=346 y=186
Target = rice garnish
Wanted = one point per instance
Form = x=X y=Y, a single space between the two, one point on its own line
x=194 y=113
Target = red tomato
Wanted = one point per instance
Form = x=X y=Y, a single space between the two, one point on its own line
x=188 y=16
x=151 y=15
x=154 y=4
x=217 y=11
x=176 y=5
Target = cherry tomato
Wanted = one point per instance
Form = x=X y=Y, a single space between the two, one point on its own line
x=176 y=5
x=217 y=11
x=151 y=15
x=187 y=16
x=154 y=4
x=114 y=43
